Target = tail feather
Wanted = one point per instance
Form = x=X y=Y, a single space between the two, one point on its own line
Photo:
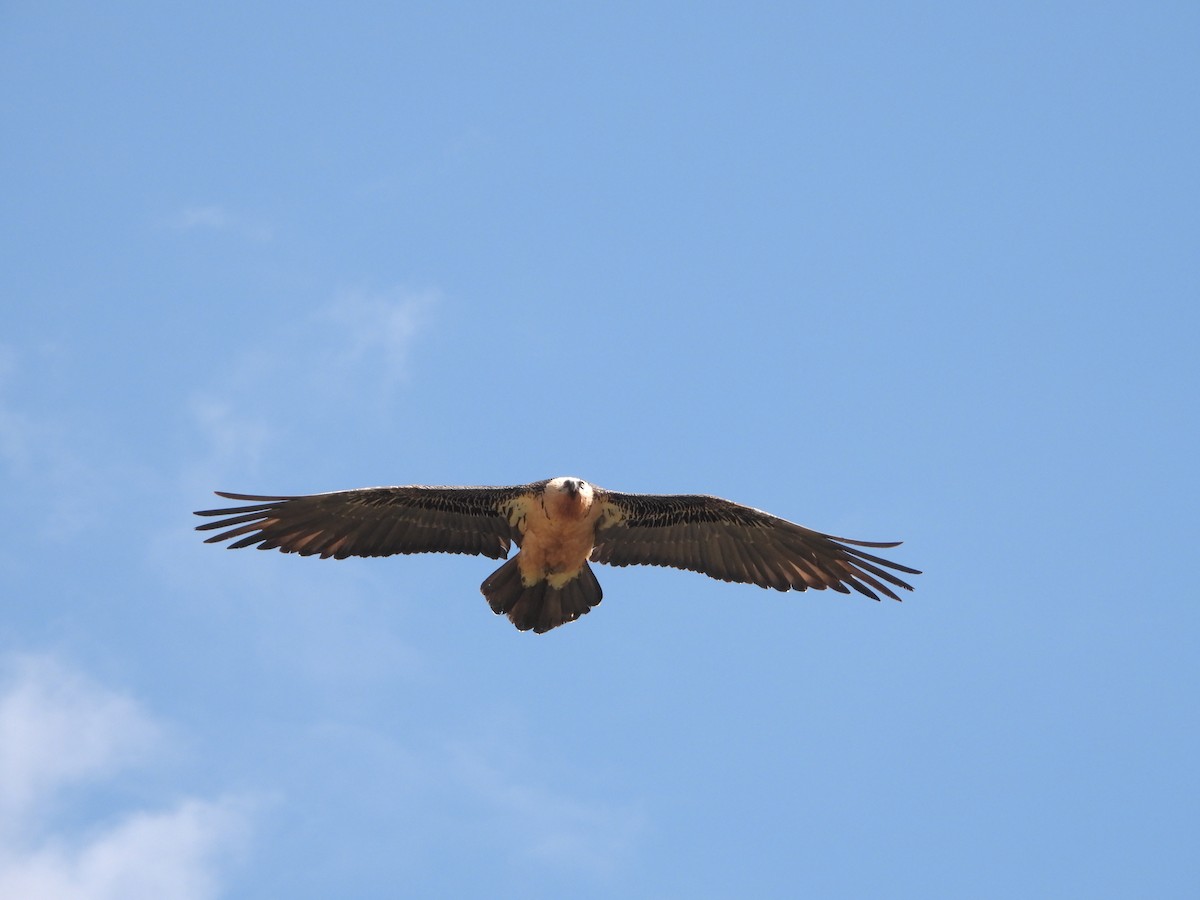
x=540 y=607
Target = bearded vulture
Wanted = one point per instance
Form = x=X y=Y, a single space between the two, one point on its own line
x=559 y=524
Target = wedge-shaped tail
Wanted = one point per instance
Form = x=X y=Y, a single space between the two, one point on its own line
x=540 y=607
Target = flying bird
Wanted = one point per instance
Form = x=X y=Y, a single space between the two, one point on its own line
x=560 y=525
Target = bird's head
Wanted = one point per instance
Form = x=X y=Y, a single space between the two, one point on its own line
x=572 y=495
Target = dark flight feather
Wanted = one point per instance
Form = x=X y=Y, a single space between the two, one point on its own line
x=731 y=542
x=378 y=521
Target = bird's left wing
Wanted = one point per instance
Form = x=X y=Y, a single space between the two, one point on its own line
x=378 y=521
x=731 y=542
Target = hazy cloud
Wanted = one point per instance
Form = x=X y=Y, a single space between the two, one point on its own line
x=174 y=855
x=18 y=431
x=349 y=354
x=213 y=217
x=373 y=329
x=555 y=828
x=43 y=451
x=59 y=731
x=228 y=434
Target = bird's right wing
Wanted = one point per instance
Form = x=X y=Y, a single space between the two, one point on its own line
x=379 y=521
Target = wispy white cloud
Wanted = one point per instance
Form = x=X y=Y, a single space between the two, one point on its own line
x=351 y=353
x=57 y=729
x=372 y=329
x=58 y=732
x=228 y=434
x=201 y=217
x=175 y=855
x=555 y=828
x=42 y=450
x=213 y=217
x=18 y=430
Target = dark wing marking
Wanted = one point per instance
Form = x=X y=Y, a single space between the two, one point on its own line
x=376 y=521
x=732 y=542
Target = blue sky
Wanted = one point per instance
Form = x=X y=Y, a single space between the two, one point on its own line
x=921 y=272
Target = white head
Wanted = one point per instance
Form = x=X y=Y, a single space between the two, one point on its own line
x=571 y=487
x=568 y=498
